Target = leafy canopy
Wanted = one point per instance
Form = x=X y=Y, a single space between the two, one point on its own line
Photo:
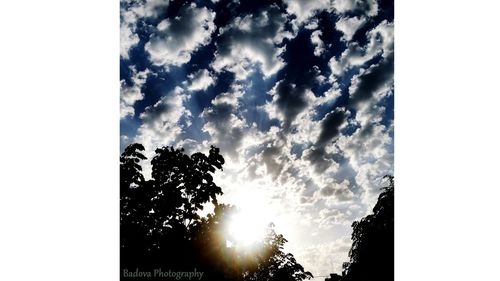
x=160 y=225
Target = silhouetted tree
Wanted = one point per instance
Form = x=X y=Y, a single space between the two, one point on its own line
x=372 y=251
x=156 y=215
x=334 y=277
x=161 y=226
x=131 y=204
x=130 y=169
x=274 y=264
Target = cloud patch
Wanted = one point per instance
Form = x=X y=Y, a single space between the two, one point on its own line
x=161 y=122
x=366 y=7
x=130 y=94
x=222 y=123
x=376 y=79
x=200 y=80
x=252 y=40
x=304 y=9
x=348 y=26
x=380 y=42
x=319 y=46
x=319 y=259
x=175 y=39
x=330 y=129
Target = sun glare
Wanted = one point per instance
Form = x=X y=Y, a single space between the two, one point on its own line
x=248 y=225
x=246 y=228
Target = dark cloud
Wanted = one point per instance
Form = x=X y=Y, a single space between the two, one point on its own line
x=319 y=159
x=153 y=113
x=330 y=126
x=371 y=81
x=223 y=125
x=308 y=189
x=340 y=193
x=270 y=157
x=327 y=191
x=330 y=129
x=169 y=109
x=290 y=101
x=300 y=75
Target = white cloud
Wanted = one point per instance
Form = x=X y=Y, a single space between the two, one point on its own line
x=304 y=9
x=382 y=36
x=124 y=142
x=174 y=40
x=349 y=26
x=367 y=7
x=312 y=24
x=325 y=258
x=250 y=41
x=330 y=217
x=149 y=8
x=130 y=94
x=128 y=39
x=130 y=13
x=160 y=123
x=371 y=166
x=369 y=149
x=319 y=46
x=353 y=55
x=328 y=97
x=128 y=27
x=380 y=41
x=200 y=80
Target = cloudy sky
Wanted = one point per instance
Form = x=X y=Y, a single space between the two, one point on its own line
x=297 y=94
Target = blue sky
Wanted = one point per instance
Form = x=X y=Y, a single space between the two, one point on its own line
x=297 y=94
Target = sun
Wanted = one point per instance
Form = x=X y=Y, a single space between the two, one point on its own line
x=247 y=226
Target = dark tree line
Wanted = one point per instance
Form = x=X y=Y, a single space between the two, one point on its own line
x=372 y=251
x=160 y=226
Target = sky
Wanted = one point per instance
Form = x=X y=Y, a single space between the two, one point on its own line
x=297 y=94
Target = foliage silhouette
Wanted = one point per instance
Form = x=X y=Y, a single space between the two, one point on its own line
x=161 y=227
x=372 y=251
